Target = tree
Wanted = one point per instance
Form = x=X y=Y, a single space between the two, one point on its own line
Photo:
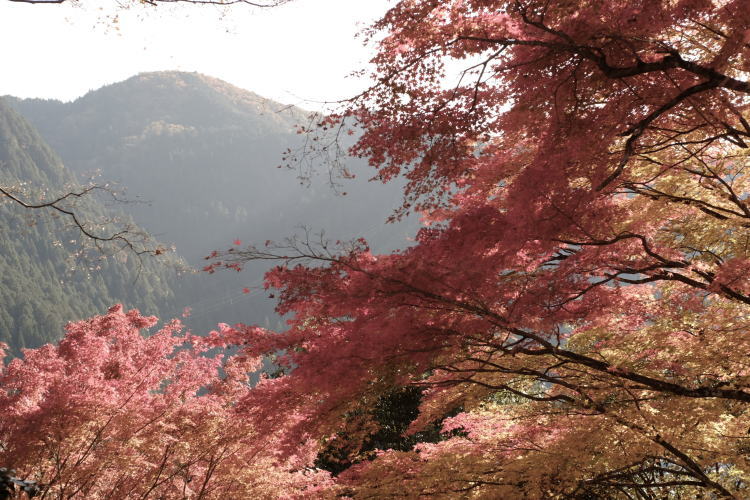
x=109 y=413
x=580 y=291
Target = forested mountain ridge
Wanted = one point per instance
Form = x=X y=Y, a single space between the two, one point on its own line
x=193 y=147
x=203 y=155
x=43 y=285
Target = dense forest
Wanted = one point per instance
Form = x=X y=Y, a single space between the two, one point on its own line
x=45 y=281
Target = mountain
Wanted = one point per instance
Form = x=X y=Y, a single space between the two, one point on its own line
x=43 y=285
x=202 y=155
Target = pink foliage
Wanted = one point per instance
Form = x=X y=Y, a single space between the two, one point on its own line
x=111 y=413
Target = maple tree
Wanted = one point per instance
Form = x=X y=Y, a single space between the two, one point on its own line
x=578 y=297
x=110 y=413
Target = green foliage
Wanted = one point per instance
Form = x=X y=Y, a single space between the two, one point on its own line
x=389 y=419
x=45 y=282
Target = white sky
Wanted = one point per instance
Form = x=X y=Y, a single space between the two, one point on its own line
x=296 y=53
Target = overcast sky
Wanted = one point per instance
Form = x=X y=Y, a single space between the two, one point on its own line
x=297 y=53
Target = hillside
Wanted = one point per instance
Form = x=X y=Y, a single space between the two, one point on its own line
x=43 y=285
x=202 y=156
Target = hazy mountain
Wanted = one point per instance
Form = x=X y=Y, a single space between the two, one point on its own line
x=43 y=286
x=203 y=155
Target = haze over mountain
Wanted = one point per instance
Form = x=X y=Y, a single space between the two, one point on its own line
x=43 y=286
x=202 y=155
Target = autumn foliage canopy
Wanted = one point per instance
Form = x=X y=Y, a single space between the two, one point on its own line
x=575 y=310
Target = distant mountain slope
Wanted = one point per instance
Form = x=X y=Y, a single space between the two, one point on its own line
x=203 y=154
x=42 y=286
